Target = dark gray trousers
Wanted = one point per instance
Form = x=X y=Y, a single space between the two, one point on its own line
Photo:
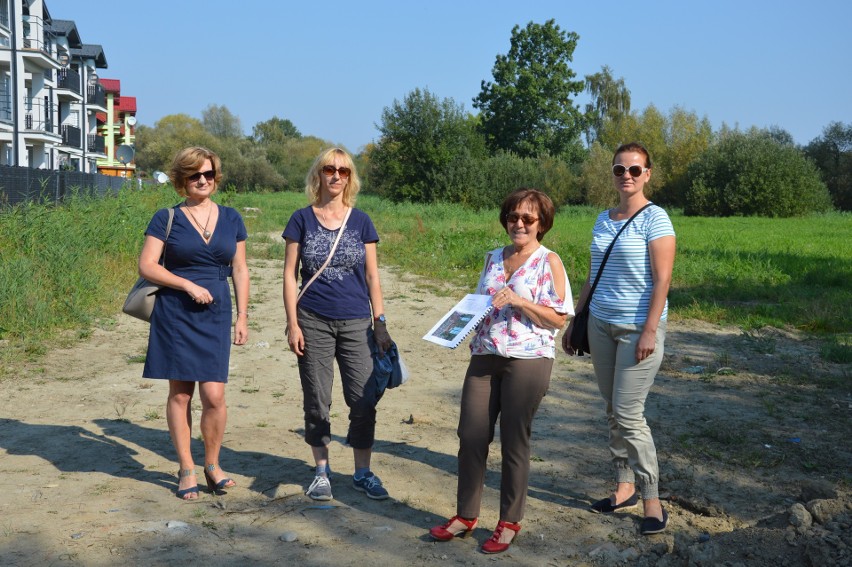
x=327 y=340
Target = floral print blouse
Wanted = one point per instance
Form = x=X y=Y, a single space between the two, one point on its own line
x=508 y=332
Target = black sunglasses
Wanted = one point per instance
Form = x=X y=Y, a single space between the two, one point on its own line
x=634 y=170
x=209 y=175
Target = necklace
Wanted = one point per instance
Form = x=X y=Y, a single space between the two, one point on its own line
x=205 y=233
x=324 y=222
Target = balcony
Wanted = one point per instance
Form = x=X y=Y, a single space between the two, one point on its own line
x=96 y=144
x=96 y=95
x=69 y=80
x=38 y=115
x=72 y=136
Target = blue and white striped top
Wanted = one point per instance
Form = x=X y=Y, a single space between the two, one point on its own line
x=623 y=294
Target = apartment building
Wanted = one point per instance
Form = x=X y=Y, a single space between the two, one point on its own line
x=54 y=109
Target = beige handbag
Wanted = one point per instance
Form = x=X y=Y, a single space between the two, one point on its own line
x=143 y=294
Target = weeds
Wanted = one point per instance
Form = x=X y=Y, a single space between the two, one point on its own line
x=152 y=415
x=67 y=267
x=120 y=406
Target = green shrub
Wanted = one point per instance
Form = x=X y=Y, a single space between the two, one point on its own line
x=752 y=174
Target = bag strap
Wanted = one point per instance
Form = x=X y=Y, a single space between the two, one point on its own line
x=608 y=250
x=327 y=260
x=168 y=231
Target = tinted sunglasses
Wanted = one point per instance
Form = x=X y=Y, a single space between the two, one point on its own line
x=634 y=170
x=527 y=218
x=341 y=171
x=209 y=175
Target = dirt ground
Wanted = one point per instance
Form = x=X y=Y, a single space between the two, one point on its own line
x=755 y=457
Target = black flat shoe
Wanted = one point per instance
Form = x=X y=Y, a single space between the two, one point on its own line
x=653 y=525
x=605 y=506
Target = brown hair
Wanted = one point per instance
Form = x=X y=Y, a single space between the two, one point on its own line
x=313 y=181
x=188 y=161
x=541 y=202
x=633 y=147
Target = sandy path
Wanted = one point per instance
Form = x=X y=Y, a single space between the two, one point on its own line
x=87 y=472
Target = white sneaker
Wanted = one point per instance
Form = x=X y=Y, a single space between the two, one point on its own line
x=320 y=489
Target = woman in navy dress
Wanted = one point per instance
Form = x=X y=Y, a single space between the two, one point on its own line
x=190 y=334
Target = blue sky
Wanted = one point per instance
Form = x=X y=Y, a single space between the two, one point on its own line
x=331 y=68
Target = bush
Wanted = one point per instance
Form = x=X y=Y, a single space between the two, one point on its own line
x=832 y=154
x=483 y=183
x=596 y=178
x=753 y=174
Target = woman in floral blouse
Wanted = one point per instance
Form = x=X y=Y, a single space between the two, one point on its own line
x=509 y=372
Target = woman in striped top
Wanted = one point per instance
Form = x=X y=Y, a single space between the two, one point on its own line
x=627 y=329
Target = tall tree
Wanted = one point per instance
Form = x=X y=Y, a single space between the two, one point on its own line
x=832 y=153
x=610 y=101
x=420 y=136
x=529 y=108
x=244 y=163
x=274 y=131
x=220 y=122
x=157 y=146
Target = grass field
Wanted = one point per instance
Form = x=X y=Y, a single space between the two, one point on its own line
x=64 y=268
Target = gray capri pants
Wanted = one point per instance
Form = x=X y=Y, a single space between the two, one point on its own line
x=624 y=385
x=346 y=341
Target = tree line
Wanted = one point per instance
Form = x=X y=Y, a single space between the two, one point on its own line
x=530 y=131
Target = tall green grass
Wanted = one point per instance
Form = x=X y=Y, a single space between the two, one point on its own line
x=68 y=267
x=63 y=266
x=750 y=272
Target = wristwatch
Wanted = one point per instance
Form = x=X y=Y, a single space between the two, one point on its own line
x=380 y=318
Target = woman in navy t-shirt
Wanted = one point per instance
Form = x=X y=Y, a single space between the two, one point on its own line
x=340 y=303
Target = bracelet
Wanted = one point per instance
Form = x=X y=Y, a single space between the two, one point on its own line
x=242 y=313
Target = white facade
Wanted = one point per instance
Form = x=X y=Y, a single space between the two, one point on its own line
x=48 y=91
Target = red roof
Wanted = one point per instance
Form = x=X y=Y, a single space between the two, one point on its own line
x=127 y=104
x=111 y=85
x=101 y=116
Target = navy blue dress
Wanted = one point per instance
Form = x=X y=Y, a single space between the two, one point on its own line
x=189 y=341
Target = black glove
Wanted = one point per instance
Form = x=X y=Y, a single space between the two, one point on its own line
x=383 y=340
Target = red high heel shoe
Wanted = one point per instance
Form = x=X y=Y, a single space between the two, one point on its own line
x=493 y=545
x=443 y=533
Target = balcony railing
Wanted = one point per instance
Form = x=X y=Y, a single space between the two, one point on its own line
x=72 y=136
x=95 y=94
x=38 y=115
x=36 y=36
x=69 y=79
x=96 y=144
x=5 y=106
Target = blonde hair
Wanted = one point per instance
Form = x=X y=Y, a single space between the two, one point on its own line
x=313 y=181
x=188 y=161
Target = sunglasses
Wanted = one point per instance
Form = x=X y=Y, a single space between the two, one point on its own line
x=341 y=171
x=527 y=218
x=635 y=170
x=209 y=175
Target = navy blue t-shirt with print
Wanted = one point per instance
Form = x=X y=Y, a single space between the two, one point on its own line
x=340 y=292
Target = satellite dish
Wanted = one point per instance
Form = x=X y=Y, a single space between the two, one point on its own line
x=160 y=177
x=125 y=153
x=131 y=120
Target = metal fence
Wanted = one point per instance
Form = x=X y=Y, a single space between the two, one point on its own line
x=24 y=184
